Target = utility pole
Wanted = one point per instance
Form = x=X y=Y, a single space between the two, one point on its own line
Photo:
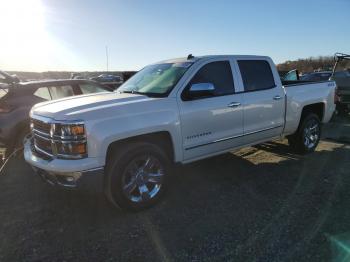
x=107 y=56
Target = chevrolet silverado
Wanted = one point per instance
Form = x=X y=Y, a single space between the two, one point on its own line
x=174 y=111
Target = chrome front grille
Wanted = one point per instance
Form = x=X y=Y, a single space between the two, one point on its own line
x=43 y=144
x=42 y=138
x=49 y=141
x=41 y=126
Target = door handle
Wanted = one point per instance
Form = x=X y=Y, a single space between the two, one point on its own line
x=234 y=104
x=277 y=97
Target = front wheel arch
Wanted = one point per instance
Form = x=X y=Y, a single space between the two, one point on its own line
x=162 y=139
x=115 y=171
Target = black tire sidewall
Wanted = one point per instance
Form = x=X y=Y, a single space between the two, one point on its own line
x=115 y=174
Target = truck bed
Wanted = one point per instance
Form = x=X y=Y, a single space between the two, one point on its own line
x=297 y=97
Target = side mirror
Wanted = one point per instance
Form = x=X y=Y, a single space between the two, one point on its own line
x=201 y=90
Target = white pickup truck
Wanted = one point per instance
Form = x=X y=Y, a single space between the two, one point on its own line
x=174 y=111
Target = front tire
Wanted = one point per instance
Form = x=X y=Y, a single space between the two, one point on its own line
x=137 y=176
x=308 y=135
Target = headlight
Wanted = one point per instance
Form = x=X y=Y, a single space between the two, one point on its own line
x=69 y=130
x=70 y=140
x=59 y=139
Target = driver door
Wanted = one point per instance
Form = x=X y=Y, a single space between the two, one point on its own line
x=211 y=123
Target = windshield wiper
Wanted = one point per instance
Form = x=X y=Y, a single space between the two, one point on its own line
x=133 y=92
x=142 y=93
x=129 y=92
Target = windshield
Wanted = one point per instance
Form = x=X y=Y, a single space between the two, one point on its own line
x=158 y=79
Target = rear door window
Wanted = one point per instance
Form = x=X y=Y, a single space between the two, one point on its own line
x=256 y=75
x=88 y=88
x=58 y=92
x=43 y=92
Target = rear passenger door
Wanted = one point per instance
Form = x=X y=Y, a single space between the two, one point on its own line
x=263 y=100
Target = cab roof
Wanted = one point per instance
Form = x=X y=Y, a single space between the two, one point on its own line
x=206 y=57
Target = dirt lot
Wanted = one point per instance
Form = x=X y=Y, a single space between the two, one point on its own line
x=258 y=204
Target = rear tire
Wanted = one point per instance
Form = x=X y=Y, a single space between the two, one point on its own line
x=137 y=176
x=308 y=135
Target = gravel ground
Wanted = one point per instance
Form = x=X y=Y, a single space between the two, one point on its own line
x=258 y=204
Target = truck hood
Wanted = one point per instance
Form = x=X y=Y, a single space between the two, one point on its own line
x=76 y=107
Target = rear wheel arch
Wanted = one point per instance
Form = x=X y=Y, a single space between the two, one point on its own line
x=316 y=108
x=307 y=137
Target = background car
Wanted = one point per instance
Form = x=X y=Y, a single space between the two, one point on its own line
x=16 y=100
x=77 y=76
x=6 y=78
x=294 y=75
x=107 y=78
x=316 y=76
x=342 y=78
x=112 y=81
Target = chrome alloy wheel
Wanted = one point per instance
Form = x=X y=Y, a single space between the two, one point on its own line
x=311 y=134
x=142 y=178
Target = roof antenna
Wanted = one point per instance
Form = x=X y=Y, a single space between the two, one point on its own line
x=190 y=56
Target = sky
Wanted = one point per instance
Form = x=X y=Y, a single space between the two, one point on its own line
x=72 y=35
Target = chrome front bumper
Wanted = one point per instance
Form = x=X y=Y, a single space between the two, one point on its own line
x=65 y=173
x=89 y=179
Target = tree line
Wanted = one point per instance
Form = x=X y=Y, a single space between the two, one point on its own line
x=311 y=64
